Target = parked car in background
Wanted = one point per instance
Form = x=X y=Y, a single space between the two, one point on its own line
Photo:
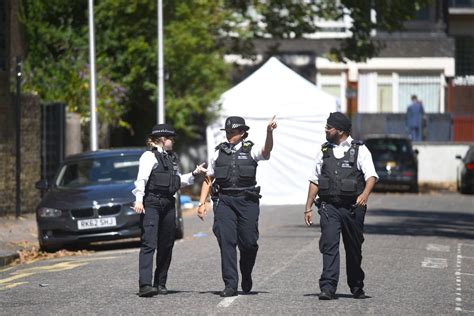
x=90 y=199
x=465 y=172
x=395 y=161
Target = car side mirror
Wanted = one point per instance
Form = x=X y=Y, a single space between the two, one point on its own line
x=42 y=184
x=416 y=151
x=458 y=157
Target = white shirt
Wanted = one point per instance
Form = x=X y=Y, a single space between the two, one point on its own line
x=148 y=163
x=256 y=154
x=364 y=160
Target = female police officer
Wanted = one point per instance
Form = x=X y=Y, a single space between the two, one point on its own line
x=236 y=200
x=343 y=178
x=157 y=181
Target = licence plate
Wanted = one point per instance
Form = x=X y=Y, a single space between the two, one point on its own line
x=96 y=223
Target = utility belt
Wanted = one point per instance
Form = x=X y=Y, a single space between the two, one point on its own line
x=334 y=202
x=251 y=192
x=160 y=195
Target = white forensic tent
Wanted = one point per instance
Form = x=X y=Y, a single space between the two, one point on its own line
x=301 y=111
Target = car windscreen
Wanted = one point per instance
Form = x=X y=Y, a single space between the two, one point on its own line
x=94 y=171
x=389 y=149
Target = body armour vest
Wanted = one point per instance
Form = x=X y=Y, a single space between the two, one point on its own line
x=164 y=179
x=340 y=181
x=235 y=169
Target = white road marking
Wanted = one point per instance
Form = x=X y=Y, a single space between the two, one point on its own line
x=458 y=275
x=436 y=247
x=437 y=263
x=227 y=301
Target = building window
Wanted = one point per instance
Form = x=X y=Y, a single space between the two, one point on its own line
x=384 y=93
x=464 y=56
x=426 y=88
x=335 y=85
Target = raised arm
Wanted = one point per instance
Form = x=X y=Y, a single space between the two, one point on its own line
x=267 y=148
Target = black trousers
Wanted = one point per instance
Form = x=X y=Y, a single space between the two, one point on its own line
x=350 y=222
x=236 y=224
x=158 y=226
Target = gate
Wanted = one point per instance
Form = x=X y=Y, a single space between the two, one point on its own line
x=52 y=138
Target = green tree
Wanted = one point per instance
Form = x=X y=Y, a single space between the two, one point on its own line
x=197 y=35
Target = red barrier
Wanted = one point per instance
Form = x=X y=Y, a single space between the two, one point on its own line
x=463 y=128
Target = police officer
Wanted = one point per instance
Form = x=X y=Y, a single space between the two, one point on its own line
x=157 y=181
x=236 y=200
x=343 y=178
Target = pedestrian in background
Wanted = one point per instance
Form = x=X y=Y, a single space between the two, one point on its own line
x=414 y=119
x=232 y=174
x=343 y=178
x=157 y=181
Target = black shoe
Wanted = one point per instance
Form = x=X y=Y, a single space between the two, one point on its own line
x=228 y=292
x=326 y=296
x=358 y=293
x=246 y=283
x=147 y=291
x=162 y=290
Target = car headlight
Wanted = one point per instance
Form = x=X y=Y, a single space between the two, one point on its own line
x=49 y=212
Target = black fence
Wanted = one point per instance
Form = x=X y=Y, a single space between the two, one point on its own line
x=436 y=127
x=53 y=120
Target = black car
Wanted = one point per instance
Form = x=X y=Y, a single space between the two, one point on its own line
x=90 y=199
x=395 y=161
x=465 y=172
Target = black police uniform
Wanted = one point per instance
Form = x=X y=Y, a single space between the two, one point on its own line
x=339 y=186
x=236 y=210
x=158 y=223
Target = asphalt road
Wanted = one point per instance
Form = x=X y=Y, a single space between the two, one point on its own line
x=418 y=258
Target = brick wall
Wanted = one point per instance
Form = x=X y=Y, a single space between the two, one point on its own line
x=30 y=154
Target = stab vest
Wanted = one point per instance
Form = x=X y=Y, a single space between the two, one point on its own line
x=340 y=181
x=235 y=169
x=164 y=179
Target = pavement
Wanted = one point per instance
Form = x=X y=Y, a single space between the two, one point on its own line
x=16 y=236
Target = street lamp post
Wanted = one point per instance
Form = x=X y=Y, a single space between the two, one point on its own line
x=160 y=111
x=18 y=137
x=93 y=123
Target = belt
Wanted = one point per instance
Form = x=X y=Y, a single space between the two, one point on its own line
x=161 y=195
x=233 y=193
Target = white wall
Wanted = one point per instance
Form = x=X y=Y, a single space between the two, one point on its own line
x=438 y=163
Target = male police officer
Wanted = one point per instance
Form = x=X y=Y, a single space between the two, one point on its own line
x=236 y=200
x=343 y=178
x=157 y=181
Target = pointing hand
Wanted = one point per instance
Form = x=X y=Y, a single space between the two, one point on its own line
x=272 y=124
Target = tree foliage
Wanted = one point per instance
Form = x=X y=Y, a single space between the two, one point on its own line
x=197 y=34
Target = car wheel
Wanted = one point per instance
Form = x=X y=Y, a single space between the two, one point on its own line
x=179 y=234
x=463 y=189
x=50 y=248
x=414 y=188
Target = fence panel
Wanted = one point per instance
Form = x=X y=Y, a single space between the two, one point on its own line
x=52 y=138
x=463 y=128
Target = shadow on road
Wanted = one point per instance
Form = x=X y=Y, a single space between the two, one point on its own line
x=105 y=246
x=417 y=223
x=420 y=223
